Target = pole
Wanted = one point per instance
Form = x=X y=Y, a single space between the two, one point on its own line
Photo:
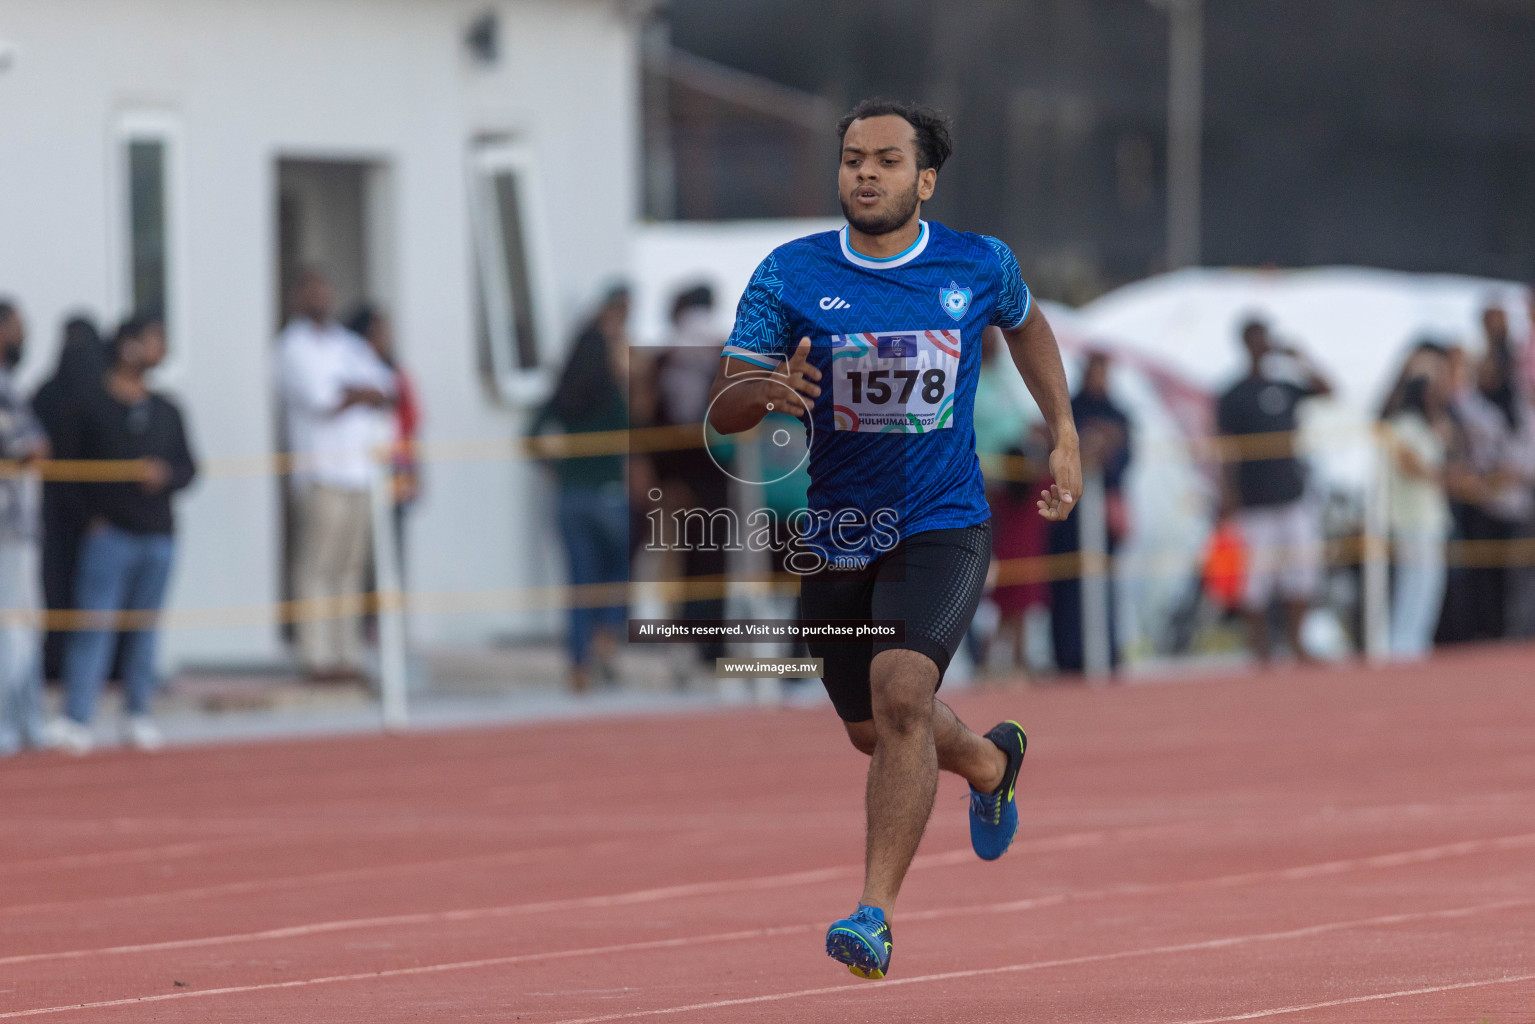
x=1185 y=123
x=660 y=160
x=1093 y=529
x=391 y=602
x=746 y=492
x=1376 y=612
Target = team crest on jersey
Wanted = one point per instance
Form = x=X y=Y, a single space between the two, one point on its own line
x=954 y=300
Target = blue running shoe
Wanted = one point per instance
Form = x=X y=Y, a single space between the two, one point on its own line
x=994 y=816
x=862 y=941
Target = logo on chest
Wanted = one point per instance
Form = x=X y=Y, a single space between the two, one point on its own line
x=954 y=300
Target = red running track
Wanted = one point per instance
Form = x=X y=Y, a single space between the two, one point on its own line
x=1306 y=847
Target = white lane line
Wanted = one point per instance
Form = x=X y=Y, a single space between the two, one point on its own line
x=768 y=882
x=384 y=870
x=1404 y=858
x=323 y=877
x=934 y=860
x=1039 y=965
x=1385 y=920
x=269 y=832
x=1374 y=997
x=154 y=854
x=463 y=965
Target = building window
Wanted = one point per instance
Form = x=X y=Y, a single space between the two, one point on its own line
x=147 y=224
x=150 y=254
x=516 y=311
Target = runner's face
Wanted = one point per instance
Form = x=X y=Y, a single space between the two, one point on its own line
x=879 y=184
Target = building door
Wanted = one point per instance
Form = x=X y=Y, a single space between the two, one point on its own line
x=332 y=216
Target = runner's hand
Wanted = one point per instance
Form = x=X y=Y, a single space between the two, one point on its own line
x=1056 y=503
x=800 y=378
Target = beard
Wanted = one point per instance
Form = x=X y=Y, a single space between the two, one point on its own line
x=882 y=222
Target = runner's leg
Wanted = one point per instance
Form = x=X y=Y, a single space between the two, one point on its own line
x=903 y=773
x=972 y=757
x=932 y=583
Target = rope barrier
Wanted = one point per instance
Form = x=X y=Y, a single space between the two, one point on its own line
x=591 y=444
x=1009 y=572
x=1028 y=569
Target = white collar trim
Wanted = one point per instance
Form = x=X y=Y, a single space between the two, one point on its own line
x=900 y=259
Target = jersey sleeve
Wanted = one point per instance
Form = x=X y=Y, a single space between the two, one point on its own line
x=761 y=332
x=1013 y=298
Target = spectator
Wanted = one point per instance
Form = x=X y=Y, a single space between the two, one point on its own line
x=82 y=364
x=690 y=478
x=1500 y=437
x=1427 y=358
x=1464 y=487
x=593 y=511
x=1418 y=510
x=1529 y=343
x=337 y=394
x=22 y=439
x=125 y=559
x=1105 y=442
x=375 y=327
x=1265 y=486
x=1008 y=449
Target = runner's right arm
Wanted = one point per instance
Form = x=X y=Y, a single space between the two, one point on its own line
x=759 y=371
x=744 y=393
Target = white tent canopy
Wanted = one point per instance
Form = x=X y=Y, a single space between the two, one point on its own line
x=1354 y=322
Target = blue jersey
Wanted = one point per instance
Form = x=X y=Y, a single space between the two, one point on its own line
x=898 y=344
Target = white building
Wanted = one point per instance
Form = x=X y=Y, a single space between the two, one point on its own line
x=454 y=159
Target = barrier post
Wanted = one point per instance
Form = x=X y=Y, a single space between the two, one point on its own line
x=746 y=492
x=391 y=602
x=1093 y=532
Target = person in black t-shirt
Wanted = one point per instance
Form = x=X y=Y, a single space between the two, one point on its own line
x=1105 y=433
x=82 y=361
x=593 y=502
x=1265 y=485
x=125 y=558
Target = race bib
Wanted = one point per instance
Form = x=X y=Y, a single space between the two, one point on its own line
x=894 y=382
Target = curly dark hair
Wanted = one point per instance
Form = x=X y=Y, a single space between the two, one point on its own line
x=935 y=134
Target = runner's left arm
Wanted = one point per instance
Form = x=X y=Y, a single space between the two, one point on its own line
x=1038 y=358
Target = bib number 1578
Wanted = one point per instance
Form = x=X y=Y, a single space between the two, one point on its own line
x=877 y=386
x=899 y=382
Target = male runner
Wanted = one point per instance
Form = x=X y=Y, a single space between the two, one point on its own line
x=888 y=314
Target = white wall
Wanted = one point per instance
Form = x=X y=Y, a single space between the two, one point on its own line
x=246 y=82
x=669 y=256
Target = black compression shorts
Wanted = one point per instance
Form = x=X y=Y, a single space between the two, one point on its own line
x=932 y=581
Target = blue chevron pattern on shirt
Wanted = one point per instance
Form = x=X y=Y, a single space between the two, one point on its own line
x=951 y=285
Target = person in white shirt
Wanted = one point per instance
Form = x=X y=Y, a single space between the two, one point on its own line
x=22 y=439
x=336 y=395
x=1419 y=514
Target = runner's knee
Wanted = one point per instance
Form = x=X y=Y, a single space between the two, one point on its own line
x=902 y=684
x=861 y=735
